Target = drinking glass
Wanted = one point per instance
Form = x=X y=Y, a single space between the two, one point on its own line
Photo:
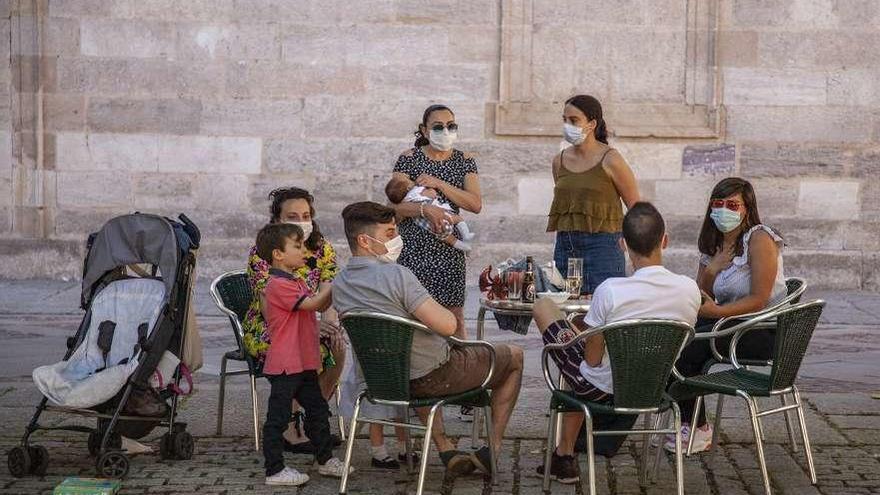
x=574 y=276
x=514 y=285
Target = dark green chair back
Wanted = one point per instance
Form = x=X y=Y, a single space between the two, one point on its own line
x=382 y=346
x=236 y=295
x=794 y=329
x=642 y=355
x=793 y=285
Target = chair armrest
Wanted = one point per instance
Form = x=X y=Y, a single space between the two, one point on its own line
x=545 y=354
x=478 y=343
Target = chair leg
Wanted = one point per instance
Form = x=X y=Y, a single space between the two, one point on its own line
x=719 y=409
x=660 y=447
x=551 y=446
x=256 y=403
x=693 y=426
x=339 y=416
x=759 y=441
x=808 y=451
x=490 y=439
x=789 y=420
x=591 y=462
x=349 y=445
x=646 y=450
x=426 y=448
x=679 y=460
x=221 y=396
x=407 y=440
x=476 y=426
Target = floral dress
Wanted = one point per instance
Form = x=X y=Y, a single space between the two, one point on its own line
x=320 y=267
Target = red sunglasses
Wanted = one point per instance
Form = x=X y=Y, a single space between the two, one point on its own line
x=729 y=204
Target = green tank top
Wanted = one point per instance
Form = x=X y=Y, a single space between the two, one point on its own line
x=585 y=201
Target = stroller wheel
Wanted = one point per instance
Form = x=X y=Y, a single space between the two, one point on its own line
x=19 y=461
x=166 y=447
x=184 y=445
x=112 y=465
x=39 y=460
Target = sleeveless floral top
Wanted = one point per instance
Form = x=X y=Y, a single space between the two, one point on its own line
x=320 y=267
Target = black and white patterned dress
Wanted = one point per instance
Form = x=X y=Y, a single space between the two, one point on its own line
x=438 y=266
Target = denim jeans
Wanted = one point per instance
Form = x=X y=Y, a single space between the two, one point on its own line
x=601 y=252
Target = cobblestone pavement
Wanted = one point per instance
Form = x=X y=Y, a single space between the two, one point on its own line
x=839 y=377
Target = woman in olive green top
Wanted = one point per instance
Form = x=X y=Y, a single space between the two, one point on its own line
x=591 y=179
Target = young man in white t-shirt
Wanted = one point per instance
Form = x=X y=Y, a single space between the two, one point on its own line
x=651 y=292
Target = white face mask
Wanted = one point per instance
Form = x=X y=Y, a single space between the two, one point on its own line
x=573 y=134
x=306 y=228
x=393 y=248
x=442 y=140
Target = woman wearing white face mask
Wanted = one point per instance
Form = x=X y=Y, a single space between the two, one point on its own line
x=434 y=162
x=591 y=178
x=740 y=272
x=296 y=206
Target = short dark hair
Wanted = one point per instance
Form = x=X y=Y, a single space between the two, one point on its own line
x=643 y=228
x=358 y=217
x=396 y=189
x=273 y=236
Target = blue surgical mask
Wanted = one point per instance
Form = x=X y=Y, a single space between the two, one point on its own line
x=726 y=220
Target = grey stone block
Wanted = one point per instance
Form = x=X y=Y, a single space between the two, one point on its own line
x=94 y=189
x=269 y=79
x=783 y=159
x=171 y=116
x=124 y=38
x=138 y=77
x=29 y=258
x=259 y=118
x=712 y=160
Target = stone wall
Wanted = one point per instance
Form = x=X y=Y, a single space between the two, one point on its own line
x=204 y=106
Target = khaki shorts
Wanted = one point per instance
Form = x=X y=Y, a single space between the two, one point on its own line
x=465 y=370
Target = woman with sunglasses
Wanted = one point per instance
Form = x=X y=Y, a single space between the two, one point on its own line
x=434 y=163
x=591 y=178
x=740 y=272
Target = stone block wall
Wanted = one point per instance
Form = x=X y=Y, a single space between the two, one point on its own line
x=204 y=106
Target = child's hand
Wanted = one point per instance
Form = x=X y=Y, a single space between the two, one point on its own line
x=429 y=192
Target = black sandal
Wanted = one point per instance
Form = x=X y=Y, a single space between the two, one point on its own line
x=386 y=463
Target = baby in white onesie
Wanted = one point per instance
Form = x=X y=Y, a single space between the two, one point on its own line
x=403 y=190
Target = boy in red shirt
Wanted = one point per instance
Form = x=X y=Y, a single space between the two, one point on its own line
x=293 y=358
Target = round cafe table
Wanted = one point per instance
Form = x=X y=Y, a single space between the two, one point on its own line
x=571 y=308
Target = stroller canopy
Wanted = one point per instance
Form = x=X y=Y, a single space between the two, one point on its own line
x=131 y=239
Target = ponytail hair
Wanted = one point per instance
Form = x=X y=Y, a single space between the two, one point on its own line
x=593 y=110
x=421 y=139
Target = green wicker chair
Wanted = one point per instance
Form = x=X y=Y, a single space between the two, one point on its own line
x=232 y=295
x=726 y=327
x=382 y=344
x=642 y=354
x=794 y=328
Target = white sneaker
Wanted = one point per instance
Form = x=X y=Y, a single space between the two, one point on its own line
x=333 y=467
x=702 y=439
x=287 y=477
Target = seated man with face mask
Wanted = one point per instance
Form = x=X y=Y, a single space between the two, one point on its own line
x=373 y=281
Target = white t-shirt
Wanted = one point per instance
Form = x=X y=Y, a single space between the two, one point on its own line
x=651 y=292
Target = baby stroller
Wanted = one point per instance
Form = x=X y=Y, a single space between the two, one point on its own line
x=130 y=323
